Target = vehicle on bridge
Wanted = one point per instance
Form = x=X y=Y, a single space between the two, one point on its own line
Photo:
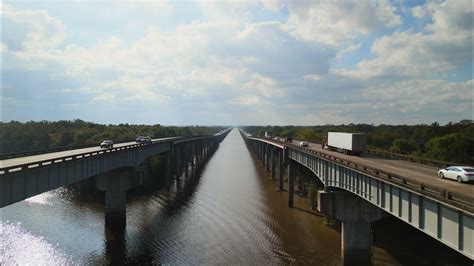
x=106 y=144
x=143 y=140
x=347 y=143
x=268 y=135
x=304 y=144
x=289 y=139
x=458 y=173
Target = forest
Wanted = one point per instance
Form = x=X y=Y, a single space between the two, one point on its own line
x=30 y=136
x=453 y=142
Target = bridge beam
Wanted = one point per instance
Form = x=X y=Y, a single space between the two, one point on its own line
x=356 y=216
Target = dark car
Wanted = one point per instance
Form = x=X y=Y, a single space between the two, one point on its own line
x=106 y=144
x=289 y=139
x=143 y=140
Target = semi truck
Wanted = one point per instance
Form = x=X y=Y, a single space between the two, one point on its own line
x=347 y=143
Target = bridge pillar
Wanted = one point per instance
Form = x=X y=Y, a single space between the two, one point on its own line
x=291 y=173
x=145 y=173
x=115 y=185
x=273 y=162
x=356 y=216
x=267 y=151
x=281 y=171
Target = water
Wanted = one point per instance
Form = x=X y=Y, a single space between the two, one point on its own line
x=231 y=213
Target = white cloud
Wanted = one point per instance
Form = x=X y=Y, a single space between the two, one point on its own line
x=228 y=66
x=447 y=45
x=30 y=30
x=339 y=22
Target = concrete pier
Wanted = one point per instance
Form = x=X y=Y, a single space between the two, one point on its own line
x=281 y=172
x=273 y=162
x=115 y=185
x=291 y=174
x=356 y=216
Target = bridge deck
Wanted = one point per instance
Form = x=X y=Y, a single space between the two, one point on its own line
x=419 y=172
x=50 y=156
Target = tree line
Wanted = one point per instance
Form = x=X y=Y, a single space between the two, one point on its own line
x=453 y=142
x=29 y=136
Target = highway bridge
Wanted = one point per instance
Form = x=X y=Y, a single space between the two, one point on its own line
x=358 y=190
x=114 y=170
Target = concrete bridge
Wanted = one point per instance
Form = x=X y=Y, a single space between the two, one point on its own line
x=359 y=190
x=113 y=170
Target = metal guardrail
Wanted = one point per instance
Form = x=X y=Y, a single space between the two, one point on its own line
x=408 y=158
x=455 y=199
x=58 y=160
x=12 y=155
x=36 y=152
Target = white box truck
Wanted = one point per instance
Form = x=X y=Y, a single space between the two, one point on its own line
x=348 y=143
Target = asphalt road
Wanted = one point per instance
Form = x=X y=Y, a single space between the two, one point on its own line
x=60 y=154
x=419 y=172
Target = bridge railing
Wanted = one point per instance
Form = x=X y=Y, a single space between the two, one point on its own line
x=404 y=157
x=12 y=155
x=461 y=201
x=36 y=152
x=62 y=159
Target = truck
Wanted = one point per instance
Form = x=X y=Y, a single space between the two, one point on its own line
x=347 y=143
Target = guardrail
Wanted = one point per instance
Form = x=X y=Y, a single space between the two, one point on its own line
x=72 y=147
x=36 y=152
x=409 y=158
x=57 y=160
x=455 y=199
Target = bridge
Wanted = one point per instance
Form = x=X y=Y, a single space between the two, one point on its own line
x=357 y=190
x=114 y=170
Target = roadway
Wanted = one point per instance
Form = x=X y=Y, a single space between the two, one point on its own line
x=418 y=172
x=60 y=154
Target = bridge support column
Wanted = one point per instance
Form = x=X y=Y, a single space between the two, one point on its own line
x=267 y=157
x=146 y=177
x=291 y=173
x=273 y=162
x=356 y=216
x=281 y=171
x=115 y=185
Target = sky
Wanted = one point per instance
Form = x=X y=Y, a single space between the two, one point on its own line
x=263 y=62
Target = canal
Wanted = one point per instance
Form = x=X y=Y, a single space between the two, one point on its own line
x=230 y=212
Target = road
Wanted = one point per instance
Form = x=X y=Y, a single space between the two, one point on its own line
x=60 y=154
x=419 y=172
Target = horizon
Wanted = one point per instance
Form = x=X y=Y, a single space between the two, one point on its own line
x=268 y=62
x=462 y=121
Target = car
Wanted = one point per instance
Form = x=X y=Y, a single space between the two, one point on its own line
x=289 y=139
x=143 y=140
x=304 y=144
x=458 y=173
x=106 y=144
x=146 y=140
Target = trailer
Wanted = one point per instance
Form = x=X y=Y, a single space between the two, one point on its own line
x=347 y=143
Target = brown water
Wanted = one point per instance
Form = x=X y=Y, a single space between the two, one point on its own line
x=231 y=213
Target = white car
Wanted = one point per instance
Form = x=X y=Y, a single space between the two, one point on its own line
x=106 y=144
x=459 y=173
x=304 y=144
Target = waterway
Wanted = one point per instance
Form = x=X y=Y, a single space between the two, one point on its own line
x=230 y=212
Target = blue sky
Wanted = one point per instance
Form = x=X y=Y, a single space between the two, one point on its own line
x=238 y=63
